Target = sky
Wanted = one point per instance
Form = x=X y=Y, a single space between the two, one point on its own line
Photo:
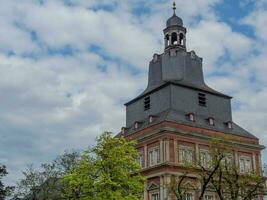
x=68 y=66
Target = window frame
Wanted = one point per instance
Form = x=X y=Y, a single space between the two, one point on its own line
x=153 y=157
x=245 y=169
x=207 y=158
x=186 y=150
x=140 y=159
x=154 y=193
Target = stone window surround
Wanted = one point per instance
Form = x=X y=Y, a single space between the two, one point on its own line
x=154 y=193
x=245 y=169
x=197 y=147
x=188 y=149
x=153 y=162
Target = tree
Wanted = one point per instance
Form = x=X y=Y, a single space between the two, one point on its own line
x=44 y=183
x=4 y=191
x=107 y=171
x=221 y=175
x=230 y=184
x=179 y=186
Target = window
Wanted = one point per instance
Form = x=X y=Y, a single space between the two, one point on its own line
x=153 y=156
x=140 y=159
x=147 y=103
x=205 y=158
x=167 y=40
x=228 y=159
x=245 y=164
x=185 y=155
x=202 y=99
x=188 y=196
x=155 y=196
x=208 y=197
x=174 y=38
x=181 y=39
x=136 y=125
x=151 y=118
x=229 y=125
x=191 y=117
x=211 y=121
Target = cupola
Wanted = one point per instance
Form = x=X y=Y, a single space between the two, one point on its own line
x=174 y=33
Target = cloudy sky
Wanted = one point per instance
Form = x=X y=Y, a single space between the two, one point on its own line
x=68 y=66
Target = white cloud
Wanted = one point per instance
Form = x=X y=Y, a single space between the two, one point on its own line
x=213 y=39
x=51 y=102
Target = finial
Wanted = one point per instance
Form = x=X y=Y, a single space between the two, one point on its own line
x=174 y=7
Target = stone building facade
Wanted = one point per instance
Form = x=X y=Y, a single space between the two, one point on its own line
x=177 y=115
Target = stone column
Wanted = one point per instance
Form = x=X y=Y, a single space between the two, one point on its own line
x=197 y=152
x=167 y=180
x=145 y=156
x=145 y=191
x=175 y=151
x=161 y=147
x=260 y=164
x=254 y=162
x=161 y=187
x=167 y=149
x=236 y=158
x=166 y=41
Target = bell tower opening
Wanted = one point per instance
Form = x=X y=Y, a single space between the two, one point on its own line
x=175 y=32
x=174 y=39
x=181 y=39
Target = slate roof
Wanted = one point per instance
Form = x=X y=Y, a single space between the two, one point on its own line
x=180 y=117
x=174 y=21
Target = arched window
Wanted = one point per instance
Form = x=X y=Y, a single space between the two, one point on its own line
x=181 y=39
x=167 y=38
x=174 y=38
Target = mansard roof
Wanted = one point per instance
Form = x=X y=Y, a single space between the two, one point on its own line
x=200 y=122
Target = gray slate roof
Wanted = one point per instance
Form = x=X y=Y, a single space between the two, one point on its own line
x=180 y=117
x=174 y=21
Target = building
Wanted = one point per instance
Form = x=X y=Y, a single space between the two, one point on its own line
x=175 y=117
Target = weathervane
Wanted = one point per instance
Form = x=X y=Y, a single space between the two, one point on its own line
x=174 y=7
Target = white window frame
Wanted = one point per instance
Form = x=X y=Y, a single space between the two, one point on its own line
x=209 y=197
x=153 y=156
x=191 y=117
x=140 y=159
x=154 y=193
x=211 y=121
x=205 y=158
x=189 y=196
x=228 y=159
x=245 y=164
x=185 y=154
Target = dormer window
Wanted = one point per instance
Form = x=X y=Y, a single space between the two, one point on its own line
x=229 y=125
x=136 y=125
x=151 y=118
x=191 y=117
x=123 y=130
x=202 y=101
x=147 y=103
x=211 y=121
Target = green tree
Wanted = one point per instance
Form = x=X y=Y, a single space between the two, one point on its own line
x=44 y=183
x=107 y=171
x=221 y=175
x=4 y=191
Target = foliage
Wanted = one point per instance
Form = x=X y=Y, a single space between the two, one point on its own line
x=4 y=191
x=44 y=184
x=220 y=175
x=107 y=171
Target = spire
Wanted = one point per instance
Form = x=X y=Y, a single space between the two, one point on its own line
x=174 y=8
